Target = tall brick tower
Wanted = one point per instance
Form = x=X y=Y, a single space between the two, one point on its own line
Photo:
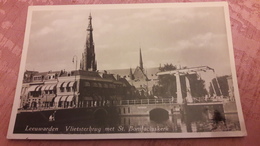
x=88 y=61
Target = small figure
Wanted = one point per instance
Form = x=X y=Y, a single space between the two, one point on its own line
x=26 y=106
x=217 y=118
x=52 y=117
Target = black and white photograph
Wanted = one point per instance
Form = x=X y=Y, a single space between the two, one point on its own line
x=127 y=71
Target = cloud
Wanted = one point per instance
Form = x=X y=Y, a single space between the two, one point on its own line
x=188 y=36
x=44 y=31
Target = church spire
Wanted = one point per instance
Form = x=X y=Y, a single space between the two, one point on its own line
x=141 y=61
x=88 y=61
x=131 y=74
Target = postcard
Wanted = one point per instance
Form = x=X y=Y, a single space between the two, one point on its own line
x=127 y=71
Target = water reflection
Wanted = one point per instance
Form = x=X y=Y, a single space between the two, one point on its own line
x=178 y=123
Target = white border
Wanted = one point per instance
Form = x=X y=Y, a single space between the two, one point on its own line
x=11 y=135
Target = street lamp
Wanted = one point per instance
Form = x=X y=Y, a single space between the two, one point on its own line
x=75 y=59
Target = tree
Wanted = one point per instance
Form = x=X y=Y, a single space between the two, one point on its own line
x=167 y=67
x=167 y=83
x=168 y=87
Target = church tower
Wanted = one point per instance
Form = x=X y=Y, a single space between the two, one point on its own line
x=88 y=61
x=131 y=75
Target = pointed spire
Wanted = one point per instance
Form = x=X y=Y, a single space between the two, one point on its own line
x=88 y=61
x=141 y=61
x=131 y=74
x=90 y=23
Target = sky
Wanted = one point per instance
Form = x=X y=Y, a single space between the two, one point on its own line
x=183 y=36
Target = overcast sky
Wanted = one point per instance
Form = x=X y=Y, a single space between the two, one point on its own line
x=183 y=36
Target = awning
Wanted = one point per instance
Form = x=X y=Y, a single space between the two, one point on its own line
x=32 y=88
x=65 y=84
x=95 y=84
x=105 y=85
x=59 y=84
x=111 y=86
x=87 y=84
x=38 y=88
x=71 y=84
x=22 y=90
x=100 y=85
x=112 y=97
x=97 y=97
x=63 y=98
x=51 y=87
x=47 y=87
x=70 y=98
x=43 y=87
x=57 y=99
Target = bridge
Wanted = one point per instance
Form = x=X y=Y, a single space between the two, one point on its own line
x=140 y=107
x=133 y=107
x=156 y=109
x=161 y=107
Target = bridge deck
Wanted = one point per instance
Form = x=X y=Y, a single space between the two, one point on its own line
x=161 y=101
x=164 y=101
x=206 y=103
x=148 y=101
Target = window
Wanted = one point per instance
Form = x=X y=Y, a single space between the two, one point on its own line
x=74 y=88
x=100 y=85
x=95 y=84
x=62 y=89
x=87 y=84
x=37 y=78
x=106 y=85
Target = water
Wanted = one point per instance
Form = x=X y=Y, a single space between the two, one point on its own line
x=143 y=124
x=161 y=123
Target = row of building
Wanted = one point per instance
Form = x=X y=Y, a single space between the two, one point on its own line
x=87 y=87
x=82 y=87
x=77 y=88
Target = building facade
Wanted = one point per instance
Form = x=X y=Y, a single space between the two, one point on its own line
x=70 y=89
x=85 y=87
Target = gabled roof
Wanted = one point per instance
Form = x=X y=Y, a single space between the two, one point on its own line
x=124 y=81
x=109 y=76
x=139 y=74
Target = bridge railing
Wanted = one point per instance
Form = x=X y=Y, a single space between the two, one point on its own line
x=148 y=101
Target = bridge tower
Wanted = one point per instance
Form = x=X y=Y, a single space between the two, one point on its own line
x=177 y=73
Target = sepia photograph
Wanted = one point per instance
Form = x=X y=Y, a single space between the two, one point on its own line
x=127 y=71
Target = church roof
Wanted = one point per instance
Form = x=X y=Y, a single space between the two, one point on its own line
x=109 y=76
x=139 y=74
